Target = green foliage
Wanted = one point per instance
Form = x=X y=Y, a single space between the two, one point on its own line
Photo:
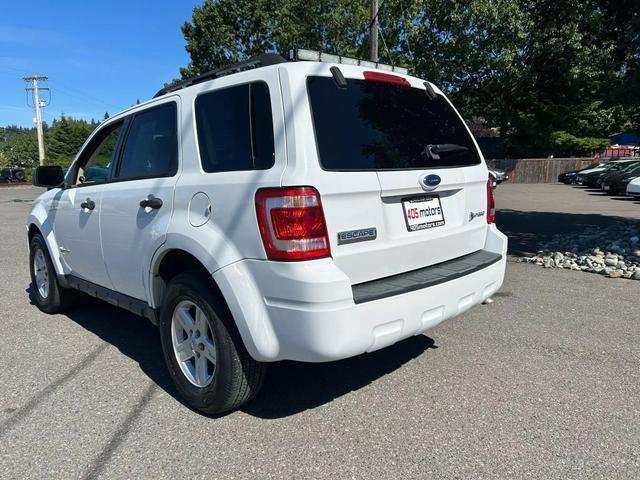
x=63 y=139
x=528 y=68
x=226 y=31
x=566 y=144
x=18 y=147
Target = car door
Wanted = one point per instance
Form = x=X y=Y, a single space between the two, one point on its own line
x=137 y=206
x=76 y=209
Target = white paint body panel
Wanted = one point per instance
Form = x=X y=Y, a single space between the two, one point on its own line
x=634 y=187
x=305 y=311
x=77 y=231
x=284 y=310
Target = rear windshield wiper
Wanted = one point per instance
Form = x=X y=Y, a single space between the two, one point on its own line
x=434 y=151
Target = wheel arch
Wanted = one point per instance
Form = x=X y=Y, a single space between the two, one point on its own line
x=169 y=263
x=172 y=261
x=32 y=231
x=34 y=227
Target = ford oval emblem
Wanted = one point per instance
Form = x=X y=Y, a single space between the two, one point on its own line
x=431 y=181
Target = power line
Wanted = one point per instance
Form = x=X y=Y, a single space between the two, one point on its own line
x=374 y=15
x=384 y=42
x=406 y=35
x=74 y=91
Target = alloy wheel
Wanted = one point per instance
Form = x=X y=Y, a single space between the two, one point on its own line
x=41 y=273
x=193 y=343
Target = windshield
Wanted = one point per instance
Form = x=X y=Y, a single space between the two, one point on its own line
x=382 y=126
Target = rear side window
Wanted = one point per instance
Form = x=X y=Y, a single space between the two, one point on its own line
x=235 y=128
x=151 y=148
x=382 y=126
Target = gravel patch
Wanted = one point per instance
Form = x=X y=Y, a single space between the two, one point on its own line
x=614 y=252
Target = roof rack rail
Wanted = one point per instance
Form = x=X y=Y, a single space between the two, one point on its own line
x=258 y=61
x=298 y=54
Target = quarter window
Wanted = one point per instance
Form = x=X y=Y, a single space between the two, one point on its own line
x=235 y=128
x=151 y=148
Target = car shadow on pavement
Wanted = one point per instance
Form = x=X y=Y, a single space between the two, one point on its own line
x=134 y=336
x=626 y=198
x=527 y=230
x=293 y=387
x=289 y=388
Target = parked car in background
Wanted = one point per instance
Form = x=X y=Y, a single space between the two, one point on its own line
x=568 y=177
x=619 y=186
x=12 y=175
x=369 y=219
x=633 y=188
x=626 y=168
x=589 y=176
x=497 y=177
x=609 y=182
x=594 y=179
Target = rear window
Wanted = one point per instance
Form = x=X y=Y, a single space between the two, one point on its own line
x=235 y=128
x=382 y=126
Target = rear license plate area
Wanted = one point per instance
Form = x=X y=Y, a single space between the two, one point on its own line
x=421 y=213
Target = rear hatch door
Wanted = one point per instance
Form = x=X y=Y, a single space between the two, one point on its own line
x=402 y=181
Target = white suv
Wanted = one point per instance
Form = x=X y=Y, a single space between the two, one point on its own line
x=275 y=210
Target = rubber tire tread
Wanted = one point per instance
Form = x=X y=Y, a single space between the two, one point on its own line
x=238 y=377
x=59 y=299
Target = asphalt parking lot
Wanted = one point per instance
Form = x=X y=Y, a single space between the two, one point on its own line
x=543 y=383
x=530 y=213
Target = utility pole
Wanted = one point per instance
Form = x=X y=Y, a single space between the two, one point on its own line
x=373 y=30
x=37 y=104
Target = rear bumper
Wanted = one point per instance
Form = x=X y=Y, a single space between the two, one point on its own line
x=306 y=311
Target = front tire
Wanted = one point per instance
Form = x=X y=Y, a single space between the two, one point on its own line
x=204 y=353
x=48 y=295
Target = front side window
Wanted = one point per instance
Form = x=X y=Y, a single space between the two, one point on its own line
x=96 y=166
x=235 y=128
x=382 y=126
x=151 y=147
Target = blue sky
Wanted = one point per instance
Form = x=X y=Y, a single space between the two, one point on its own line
x=99 y=56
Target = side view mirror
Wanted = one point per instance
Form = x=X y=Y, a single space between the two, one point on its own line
x=49 y=176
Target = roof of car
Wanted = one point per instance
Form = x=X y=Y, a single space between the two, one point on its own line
x=264 y=60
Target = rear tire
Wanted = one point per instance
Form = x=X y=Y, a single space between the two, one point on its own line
x=204 y=353
x=48 y=295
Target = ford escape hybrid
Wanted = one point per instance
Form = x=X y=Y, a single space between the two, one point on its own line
x=299 y=210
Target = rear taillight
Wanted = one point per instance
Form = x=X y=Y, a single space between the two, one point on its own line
x=291 y=223
x=491 y=203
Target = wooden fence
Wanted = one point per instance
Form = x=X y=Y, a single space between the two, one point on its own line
x=538 y=170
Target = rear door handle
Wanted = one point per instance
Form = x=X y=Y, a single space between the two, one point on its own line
x=151 y=202
x=88 y=204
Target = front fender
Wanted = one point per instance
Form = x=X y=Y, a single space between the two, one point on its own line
x=40 y=219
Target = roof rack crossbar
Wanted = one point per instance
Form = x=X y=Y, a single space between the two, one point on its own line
x=258 y=61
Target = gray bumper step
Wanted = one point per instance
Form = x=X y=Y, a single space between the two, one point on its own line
x=424 y=277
